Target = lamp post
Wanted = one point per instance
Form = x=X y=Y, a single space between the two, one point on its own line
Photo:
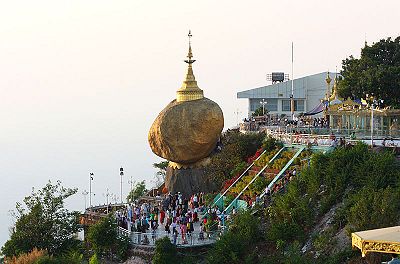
x=107 y=194
x=373 y=102
x=121 y=173
x=90 y=188
x=263 y=103
x=237 y=112
x=84 y=193
x=131 y=182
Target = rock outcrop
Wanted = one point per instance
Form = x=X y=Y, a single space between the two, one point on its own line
x=188 y=181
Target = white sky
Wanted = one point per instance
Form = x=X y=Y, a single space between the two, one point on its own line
x=82 y=81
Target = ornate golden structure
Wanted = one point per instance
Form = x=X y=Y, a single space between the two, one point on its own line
x=189 y=90
x=384 y=240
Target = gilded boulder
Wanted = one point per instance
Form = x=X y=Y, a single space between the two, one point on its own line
x=186 y=132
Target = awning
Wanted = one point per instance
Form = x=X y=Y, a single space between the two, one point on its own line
x=384 y=240
x=318 y=109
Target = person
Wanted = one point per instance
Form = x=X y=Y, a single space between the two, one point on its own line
x=201 y=233
x=175 y=235
x=145 y=240
x=234 y=210
x=167 y=230
x=395 y=259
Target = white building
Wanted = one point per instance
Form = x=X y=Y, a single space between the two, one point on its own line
x=308 y=92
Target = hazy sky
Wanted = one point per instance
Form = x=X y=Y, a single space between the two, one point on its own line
x=82 y=81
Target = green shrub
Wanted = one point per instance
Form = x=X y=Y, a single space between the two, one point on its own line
x=233 y=247
x=103 y=235
x=165 y=252
x=94 y=259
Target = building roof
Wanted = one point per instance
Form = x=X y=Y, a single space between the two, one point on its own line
x=312 y=83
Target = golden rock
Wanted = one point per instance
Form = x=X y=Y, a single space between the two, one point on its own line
x=186 y=132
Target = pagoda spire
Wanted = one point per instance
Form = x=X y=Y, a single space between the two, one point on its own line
x=189 y=90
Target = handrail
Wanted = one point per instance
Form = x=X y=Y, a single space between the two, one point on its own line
x=248 y=168
x=195 y=238
x=283 y=170
x=254 y=178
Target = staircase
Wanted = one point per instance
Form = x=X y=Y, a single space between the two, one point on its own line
x=235 y=201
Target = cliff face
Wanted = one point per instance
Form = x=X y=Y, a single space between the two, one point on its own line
x=188 y=181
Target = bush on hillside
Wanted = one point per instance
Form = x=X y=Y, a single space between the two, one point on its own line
x=233 y=247
x=165 y=252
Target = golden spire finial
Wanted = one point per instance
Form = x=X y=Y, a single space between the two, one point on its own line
x=190 y=54
x=189 y=90
x=328 y=83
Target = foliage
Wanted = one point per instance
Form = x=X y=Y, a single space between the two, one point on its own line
x=102 y=236
x=137 y=191
x=161 y=171
x=43 y=223
x=377 y=72
x=256 y=188
x=165 y=252
x=27 y=258
x=385 y=212
x=259 y=111
x=364 y=185
x=236 y=148
x=121 y=248
x=233 y=246
x=41 y=257
x=94 y=259
x=270 y=144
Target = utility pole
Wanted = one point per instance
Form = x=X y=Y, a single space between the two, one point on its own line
x=292 y=95
x=107 y=194
x=84 y=193
x=90 y=188
x=121 y=173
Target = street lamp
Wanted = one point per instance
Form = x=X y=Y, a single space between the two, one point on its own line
x=263 y=103
x=237 y=112
x=84 y=193
x=121 y=173
x=131 y=182
x=107 y=194
x=90 y=188
x=373 y=101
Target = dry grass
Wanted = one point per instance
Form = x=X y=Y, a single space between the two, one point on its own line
x=27 y=258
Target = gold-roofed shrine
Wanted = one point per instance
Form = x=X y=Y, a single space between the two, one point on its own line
x=383 y=240
x=355 y=115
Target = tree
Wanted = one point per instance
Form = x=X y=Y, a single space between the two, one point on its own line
x=236 y=147
x=103 y=235
x=137 y=191
x=165 y=252
x=377 y=72
x=237 y=244
x=259 y=111
x=162 y=171
x=103 y=238
x=374 y=209
x=43 y=223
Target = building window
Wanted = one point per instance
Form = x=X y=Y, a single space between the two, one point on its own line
x=299 y=105
x=271 y=104
x=285 y=105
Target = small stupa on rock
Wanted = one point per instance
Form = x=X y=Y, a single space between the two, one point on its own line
x=187 y=130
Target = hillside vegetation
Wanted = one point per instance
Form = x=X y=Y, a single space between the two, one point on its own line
x=349 y=189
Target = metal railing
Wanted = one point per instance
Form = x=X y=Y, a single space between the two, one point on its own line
x=192 y=239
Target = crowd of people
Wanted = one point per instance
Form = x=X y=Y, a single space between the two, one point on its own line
x=173 y=216
x=255 y=123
